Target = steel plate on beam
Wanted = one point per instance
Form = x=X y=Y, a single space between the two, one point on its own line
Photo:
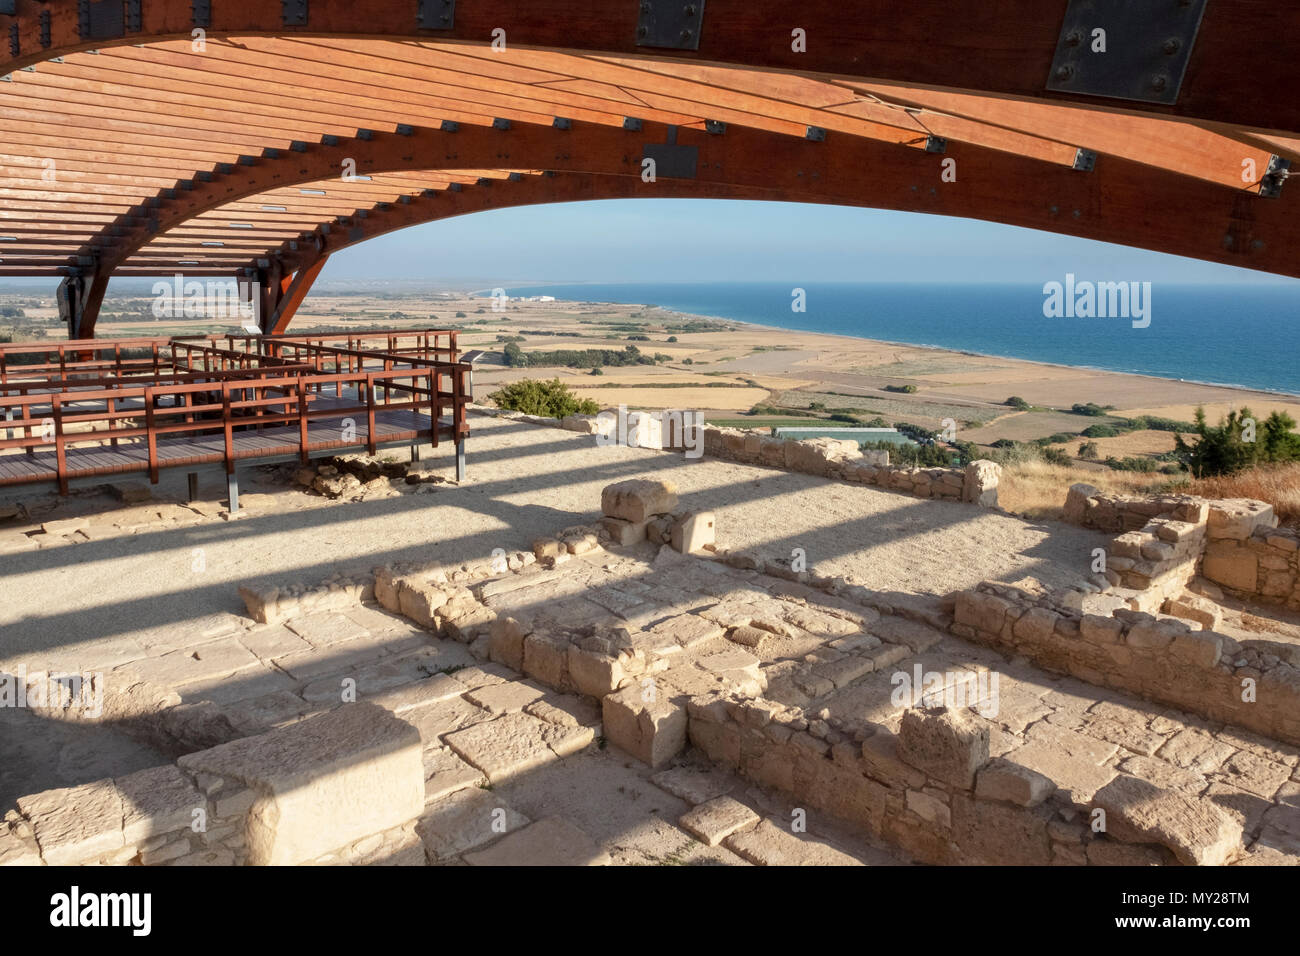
x=1126 y=49
x=669 y=24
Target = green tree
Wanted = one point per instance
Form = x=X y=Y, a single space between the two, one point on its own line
x=549 y=398
x=1237 y=442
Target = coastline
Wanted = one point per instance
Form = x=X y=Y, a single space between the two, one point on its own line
x=1272 y=394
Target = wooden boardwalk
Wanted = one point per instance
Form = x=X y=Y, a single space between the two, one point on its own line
x=255 y=445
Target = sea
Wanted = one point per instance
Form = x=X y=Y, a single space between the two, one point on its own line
x=1245 y=335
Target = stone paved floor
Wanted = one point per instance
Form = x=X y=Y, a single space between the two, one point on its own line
x=123 y=592
x=103 y=589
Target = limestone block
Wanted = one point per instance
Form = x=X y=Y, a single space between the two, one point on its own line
x=770 y=845
x=76 y=825
x=323 y=782
x=1192 y=607
x=645 y=722
x=506 y=643
x=594 y=672
x=552 y=841
x=1237 y=518
x=1237 y=568
x=714 y=821
x=950 y=745
x=622 y=532
x=465 y=820
x=693 y=531
x=548 y=548
x=984 y=612
x=1076 y=502
x=981 y=483
x=1002 y=779
x=638 y=499
x=158 y=801
x=1197 y=831
x=504 y=748
x=419 y=600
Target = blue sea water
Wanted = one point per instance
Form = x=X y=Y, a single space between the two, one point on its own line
x=1244 y=335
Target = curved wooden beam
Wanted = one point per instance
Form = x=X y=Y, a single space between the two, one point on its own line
x=1118 y=201
x=1004 y=48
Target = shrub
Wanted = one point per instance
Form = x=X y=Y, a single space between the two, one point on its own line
x=906 y=389
x=551 y=399
x=1089 y=450
x=1018 y=403
x=1238 y=442
x=1090 y=408
x=672 y=338
x=1100 y=431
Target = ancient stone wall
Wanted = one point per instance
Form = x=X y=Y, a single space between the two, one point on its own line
x=833 y=458
x=346 y=786
x=1163 y=660
x=933 y=789
x=1164 y=540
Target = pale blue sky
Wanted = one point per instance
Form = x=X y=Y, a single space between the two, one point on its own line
x=698 y=240
x=703 y=240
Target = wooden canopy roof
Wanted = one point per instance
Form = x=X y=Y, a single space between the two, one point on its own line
x=239 y=138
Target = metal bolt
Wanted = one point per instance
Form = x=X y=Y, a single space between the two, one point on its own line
x=690 y=9
x=1159 y=82
x=1074 y=39
x=1064 y=72
x=641 y=31
x=1171 y=46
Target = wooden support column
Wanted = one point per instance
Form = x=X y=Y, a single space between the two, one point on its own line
x=79 y=298
x=292 y=292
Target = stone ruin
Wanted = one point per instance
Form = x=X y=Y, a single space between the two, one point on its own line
x=996 y=725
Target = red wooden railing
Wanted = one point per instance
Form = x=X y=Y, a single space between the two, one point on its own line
x=192 y=389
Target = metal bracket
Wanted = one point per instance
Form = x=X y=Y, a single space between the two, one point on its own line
x=561 y=123
x=715 y=127
x=672 y=161
x=201 y=13
x=1085 y=160
x=935 y=144
x=815 y=134
x=670 y=24
x=293 y=13
x=134 y=17
x=101 y=19
x=449 y=126
x=1270 y=187
x=1125 y=50
x=15 y=46
x=436 y=14
x=500 y=123
x=45 y=30
x=632 y=124
x=8 y=8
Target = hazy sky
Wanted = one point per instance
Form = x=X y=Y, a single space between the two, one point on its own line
x=702 y=240
x=699 y=240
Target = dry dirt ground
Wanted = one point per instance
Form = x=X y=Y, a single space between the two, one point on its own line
x=138 y=569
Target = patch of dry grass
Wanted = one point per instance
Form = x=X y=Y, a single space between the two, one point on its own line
x=1036 y=489
x=1279 y=485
